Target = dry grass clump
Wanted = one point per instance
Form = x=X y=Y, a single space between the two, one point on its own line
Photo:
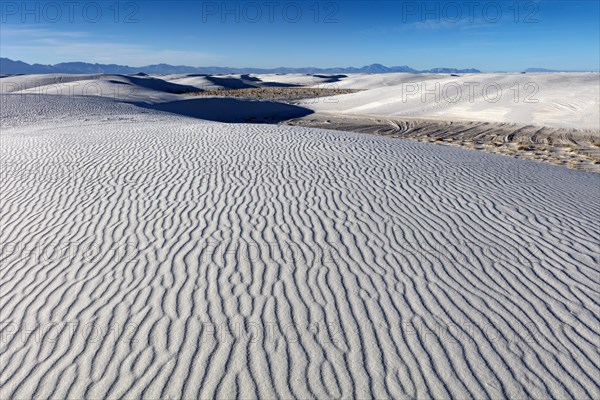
x=572 y=164
x=522 y=144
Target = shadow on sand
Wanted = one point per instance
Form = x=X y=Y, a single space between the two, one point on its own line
x=232 y=110
x=245 y=82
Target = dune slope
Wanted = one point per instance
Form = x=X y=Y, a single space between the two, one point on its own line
x=159 y=256
x=564 y=100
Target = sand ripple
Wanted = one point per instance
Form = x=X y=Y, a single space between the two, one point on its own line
x=195 y=260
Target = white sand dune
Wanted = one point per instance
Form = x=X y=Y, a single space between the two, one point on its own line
x=150 y=255
x=570 y=100
x=199 y=82
x=562 y=100
x=374 y=81
x=229 y=81
x=118 y=87
x=306 y=80
x=255 y=80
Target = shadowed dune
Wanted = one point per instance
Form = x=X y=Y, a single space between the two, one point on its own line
x=28 y=82
x=232 y=110
x=331 y=78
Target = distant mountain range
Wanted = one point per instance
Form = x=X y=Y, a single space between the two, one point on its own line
x=540 y=70
x=10 y=67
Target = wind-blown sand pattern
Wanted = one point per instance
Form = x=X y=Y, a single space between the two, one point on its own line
x=259 y=261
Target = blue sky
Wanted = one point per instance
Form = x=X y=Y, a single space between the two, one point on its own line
x=489 y=35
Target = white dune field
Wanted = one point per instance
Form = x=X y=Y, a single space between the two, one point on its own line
x=563 y=100
x=149 y=255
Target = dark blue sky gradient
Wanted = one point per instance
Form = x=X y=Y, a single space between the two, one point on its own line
x=489 y=35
